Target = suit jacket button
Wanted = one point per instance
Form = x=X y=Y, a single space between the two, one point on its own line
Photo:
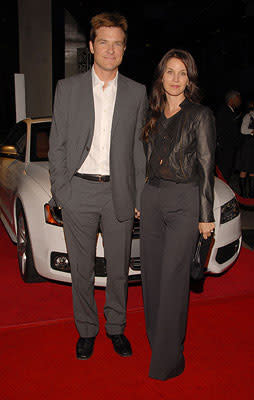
x=87 y=148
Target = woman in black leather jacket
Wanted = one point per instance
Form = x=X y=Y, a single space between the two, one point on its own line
x=177 y=203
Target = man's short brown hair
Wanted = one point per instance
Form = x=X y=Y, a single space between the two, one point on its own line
x=108 y=20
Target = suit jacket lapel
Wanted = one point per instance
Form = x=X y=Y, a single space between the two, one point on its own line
x=120 y=96
x=87 y=101
x=85 y=117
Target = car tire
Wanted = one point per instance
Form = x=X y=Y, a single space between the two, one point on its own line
x=25 y=255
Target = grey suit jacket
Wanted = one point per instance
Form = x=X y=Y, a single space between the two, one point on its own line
x=72 y=133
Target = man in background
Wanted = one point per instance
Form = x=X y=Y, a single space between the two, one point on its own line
x=228 y=133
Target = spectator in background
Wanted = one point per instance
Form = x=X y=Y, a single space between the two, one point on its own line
x=245 y=162
x=228 y=135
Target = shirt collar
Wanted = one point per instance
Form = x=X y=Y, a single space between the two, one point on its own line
x=97 y=82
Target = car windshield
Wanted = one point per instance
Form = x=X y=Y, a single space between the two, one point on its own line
x=17 y=137
x=40 y=141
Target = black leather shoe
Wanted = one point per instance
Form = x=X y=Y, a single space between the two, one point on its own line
x=84 y=348
x=121 y=345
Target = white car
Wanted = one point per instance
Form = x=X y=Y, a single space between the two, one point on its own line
x=37 y=230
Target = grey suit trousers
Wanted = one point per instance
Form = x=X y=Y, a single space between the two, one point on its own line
x=91 y=205
x=169 y=231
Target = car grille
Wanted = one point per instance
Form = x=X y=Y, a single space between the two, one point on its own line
x=135 y=263
x=136 y=229
x=101 y=270
x=100 y=267
x=136 y=277
x=60 y=262
x=226 y=252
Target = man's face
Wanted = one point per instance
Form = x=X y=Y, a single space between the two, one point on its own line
x=108 y=48
x=251 y=105
x=237 y=101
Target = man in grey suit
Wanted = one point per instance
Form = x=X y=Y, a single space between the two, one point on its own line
x=97 y=170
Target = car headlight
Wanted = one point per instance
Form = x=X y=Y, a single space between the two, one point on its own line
x=229 y=211
x=53 y=215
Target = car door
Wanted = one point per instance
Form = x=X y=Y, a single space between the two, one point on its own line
x=11 y=170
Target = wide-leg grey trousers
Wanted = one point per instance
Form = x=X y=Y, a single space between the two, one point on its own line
x=91 y=205
x=169 y=231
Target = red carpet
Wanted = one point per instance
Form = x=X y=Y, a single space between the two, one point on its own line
x=50 y=301
x=38 y=362
x=37 y=342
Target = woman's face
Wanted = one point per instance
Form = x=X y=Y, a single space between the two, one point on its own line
x=175 y=77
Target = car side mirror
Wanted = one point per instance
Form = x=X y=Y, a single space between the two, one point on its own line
x=9 y=151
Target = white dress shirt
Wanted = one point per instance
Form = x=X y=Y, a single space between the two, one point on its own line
x=97 y=161
x=245 y=130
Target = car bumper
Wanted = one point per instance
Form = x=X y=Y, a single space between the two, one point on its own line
x=227 y=246
x=224 y=253
x=49 y=269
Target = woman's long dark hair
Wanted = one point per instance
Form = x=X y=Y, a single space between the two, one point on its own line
x=158 y=97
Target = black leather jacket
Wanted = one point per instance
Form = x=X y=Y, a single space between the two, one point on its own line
x=193 y=154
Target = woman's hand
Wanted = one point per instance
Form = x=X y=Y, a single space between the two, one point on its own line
x=206 y=228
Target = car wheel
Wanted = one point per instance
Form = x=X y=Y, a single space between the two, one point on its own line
x=25 y=255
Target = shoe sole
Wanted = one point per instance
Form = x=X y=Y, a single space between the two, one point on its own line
x=83 y=358
x=122 y=355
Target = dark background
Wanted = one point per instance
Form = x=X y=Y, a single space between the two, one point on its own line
x=218 y=34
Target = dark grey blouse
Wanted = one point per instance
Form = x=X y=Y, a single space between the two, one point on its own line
x=162 y=145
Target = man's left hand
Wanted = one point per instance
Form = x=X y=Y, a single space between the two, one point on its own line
x=137 y=214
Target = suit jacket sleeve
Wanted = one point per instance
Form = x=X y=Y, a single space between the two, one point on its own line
x=139 y=156
x=206 y=142
x=58 y=148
